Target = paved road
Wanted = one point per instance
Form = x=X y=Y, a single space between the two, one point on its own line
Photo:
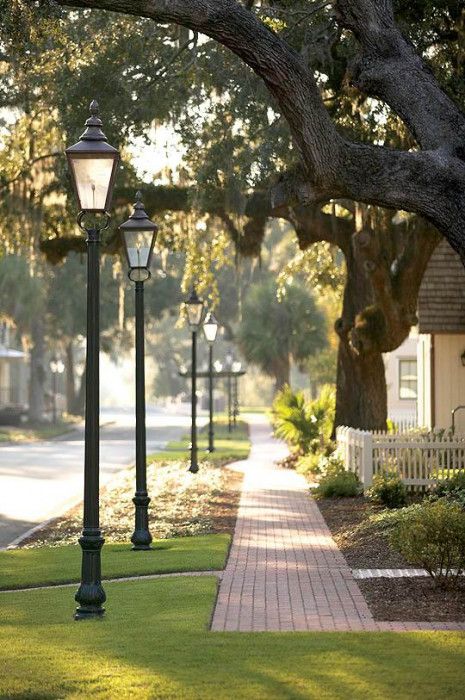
x=41 y=480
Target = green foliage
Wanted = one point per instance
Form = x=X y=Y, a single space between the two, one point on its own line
x=433 y=537
x=338 y=483
x=272 y=331
x=332 y=463
x=452 y=490
x=309 y=464
x=388 y=490
x=294 y=420
x=304 y=425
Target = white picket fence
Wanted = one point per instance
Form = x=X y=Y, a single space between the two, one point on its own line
x=420 y=458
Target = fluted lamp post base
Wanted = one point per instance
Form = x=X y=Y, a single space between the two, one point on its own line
x=141 y=538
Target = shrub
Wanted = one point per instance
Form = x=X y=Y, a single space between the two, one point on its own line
x=433 y=537
x=309 y=464
x=317 y=462
x=332 y=464
x=388 y=490
x=304 y=425
x=338 y=483
x=292 y=420
x=452 y=490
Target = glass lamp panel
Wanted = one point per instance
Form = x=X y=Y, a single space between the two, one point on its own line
x=93 y=179
x=138 y=247
x=194 y=314
x=210 y=328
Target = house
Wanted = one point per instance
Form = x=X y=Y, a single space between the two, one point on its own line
x=441 y=340
x=401 y=381
x=13 y=378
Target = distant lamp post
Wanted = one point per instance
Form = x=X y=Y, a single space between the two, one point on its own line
x=228 y=363
x=194 y=310
x=210 y=329
x=139 y=236
x=93 y=163
x=56 y=367
x=236 y=368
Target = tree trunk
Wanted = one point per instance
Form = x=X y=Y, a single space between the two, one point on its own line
x=38 y=374
x=70 y=378
x=361 y=395
x=281 y=372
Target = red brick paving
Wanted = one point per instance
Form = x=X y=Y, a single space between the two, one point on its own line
x=285 y=572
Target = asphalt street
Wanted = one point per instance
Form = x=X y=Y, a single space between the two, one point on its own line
x=40 y=480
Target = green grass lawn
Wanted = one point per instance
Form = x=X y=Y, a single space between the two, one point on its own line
x=21 y=568
x=153 y=643
x=228 y=446
x=31 y=433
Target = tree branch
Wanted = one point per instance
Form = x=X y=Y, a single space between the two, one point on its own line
x=389 y=68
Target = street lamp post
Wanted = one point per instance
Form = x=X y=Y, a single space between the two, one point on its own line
x=194 y=308
x=56 y=367
x=236 y=368
x=210 y=329
x=139 y=235
x=228 y=364
x=92 y=163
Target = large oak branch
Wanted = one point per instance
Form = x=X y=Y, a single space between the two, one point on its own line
x=389 y=67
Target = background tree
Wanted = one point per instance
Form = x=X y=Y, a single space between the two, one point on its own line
x=275 y=331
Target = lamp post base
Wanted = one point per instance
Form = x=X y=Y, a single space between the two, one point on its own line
x=141 y=537
x=193 y=468
x=90 y=594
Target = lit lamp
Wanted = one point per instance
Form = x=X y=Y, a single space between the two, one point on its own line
x=139 y=236
x=210 y=329
x=92 y=163
x=194 y=311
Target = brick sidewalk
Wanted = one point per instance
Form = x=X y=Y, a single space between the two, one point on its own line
x=285 y=572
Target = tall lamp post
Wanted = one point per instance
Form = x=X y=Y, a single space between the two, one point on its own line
x=92 y=163
x=236 y=368
x=210 y=329
x=139 y=235
x=228 y=363
x=56 y=367
x=194 y=308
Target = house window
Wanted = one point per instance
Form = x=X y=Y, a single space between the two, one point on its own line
x=408 y=379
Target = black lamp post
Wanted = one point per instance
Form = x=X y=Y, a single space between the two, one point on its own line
x=93 y=163
x=194 y=308
x=139 y=235
x=56 y=367
x=210 y=329
x=229 y=359
x=236 y=368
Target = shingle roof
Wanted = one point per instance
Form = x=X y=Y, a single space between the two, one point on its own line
x=441 y=302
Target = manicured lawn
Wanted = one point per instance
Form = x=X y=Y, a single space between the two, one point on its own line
x=228 y=446
x=31 y=433
x=154 y=643
x=47 y=565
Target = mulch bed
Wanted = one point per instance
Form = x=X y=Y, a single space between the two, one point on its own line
x=182 y=505
x=413 y=599
x=362 y=548
x=402 y=599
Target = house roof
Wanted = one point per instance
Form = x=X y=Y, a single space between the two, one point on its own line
x=441 y=301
